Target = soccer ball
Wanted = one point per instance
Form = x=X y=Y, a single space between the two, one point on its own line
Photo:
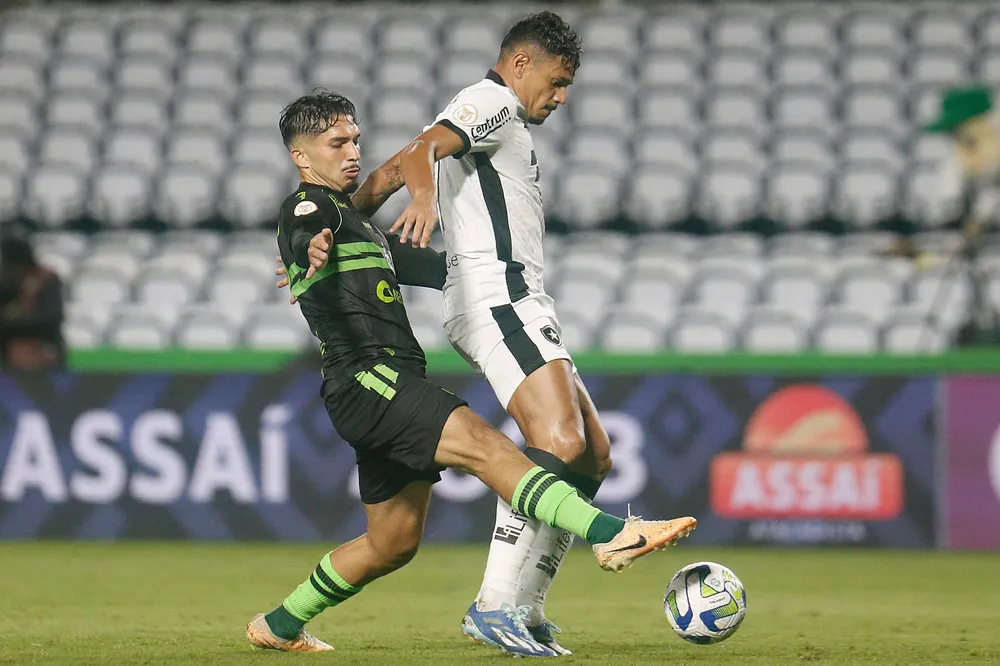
x=705 y=603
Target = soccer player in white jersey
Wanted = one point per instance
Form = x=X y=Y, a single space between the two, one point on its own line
x=475 y=171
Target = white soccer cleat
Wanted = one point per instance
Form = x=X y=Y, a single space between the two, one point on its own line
x=640 y=537
x=261 y=636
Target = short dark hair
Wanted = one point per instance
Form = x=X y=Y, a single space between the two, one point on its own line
x=549 y=32
x=314 y=114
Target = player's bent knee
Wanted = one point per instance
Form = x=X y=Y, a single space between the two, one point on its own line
x=566 y=442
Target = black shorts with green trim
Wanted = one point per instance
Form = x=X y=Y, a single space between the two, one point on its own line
x=393 y=418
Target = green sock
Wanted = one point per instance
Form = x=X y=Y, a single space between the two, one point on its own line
x=541 y=495
x=323 y=589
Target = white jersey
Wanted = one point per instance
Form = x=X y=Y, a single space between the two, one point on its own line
x=489 y=201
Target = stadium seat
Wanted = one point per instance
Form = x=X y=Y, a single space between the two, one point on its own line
x=148 y=39
x=252 y=196
x=796 y=193
x=614 y=34
x=914 y=336
x=215 y=39
x=728 y=194
x=201 y=149
x=204 y=112
x=870 y=66
x=472 y=34
x=632 y=333
x=207 y=75
x=143 y=73
x=345 y=38
x=281 y=39
x=26 y=39
x=588 y=196
x=204 y=332
x=734 y=29
x=601 y=108
x=272 y=74
x=804 y=108
x=98 y=287
x=55 y=194
x=667 y=108
x=278 y=336
x=17 y=116
x=133 y=334
x=725 y=295
x=21 y=78
x=874 y=29
x=86 y=40
x=923 y=200
x=939 y=29
x=864 y=193
x=736 y=67
x=185 y=195
x=771 y=333
x=841 y=333
x=14 y=157
x=135 y=149
x=139 y=110
x=702 y=333
x=75 y=111
x=120 y=195
x=673 y=31
x=734 y=109
x=802 y=67
x=666 y=149
x=411 y=36
x=668 y=68
x=658 y=197
x=598 y=150
x=163 y=315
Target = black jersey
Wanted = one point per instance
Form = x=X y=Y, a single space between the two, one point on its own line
x=353 y=305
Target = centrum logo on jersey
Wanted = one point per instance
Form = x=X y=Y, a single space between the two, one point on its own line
x=482 y=130
x=805 y=455
x=466 y=114
x=387 y=294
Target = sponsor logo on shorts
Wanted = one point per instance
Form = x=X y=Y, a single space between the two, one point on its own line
x=552 y=335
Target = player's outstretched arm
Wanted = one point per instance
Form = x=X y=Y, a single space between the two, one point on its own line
x=380 y=184
x=417 y=168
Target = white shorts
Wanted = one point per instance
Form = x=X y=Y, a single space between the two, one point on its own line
x=508 y=342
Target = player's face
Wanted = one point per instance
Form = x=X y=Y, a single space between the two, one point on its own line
x=544 y=87
x=332 y=158
x=978 y=144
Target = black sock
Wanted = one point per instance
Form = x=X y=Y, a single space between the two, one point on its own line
x=587 y=486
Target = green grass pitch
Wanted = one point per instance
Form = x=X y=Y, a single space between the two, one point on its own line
x=153 y=603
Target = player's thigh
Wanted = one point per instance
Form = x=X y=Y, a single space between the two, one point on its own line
x=546 y=407
x=596 y=459
x=396 y=525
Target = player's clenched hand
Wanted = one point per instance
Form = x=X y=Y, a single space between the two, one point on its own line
x=283 y=282
x=319 y=251
x=420 y=217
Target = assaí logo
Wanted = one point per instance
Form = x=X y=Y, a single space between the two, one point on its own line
x=805 y=455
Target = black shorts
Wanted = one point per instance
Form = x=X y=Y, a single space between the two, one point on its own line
x=392 y=417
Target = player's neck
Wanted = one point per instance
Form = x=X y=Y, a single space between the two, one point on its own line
x=312 y=179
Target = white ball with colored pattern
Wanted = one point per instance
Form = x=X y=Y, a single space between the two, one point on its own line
x=705 y=603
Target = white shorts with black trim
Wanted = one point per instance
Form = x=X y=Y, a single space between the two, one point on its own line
x=508 y=342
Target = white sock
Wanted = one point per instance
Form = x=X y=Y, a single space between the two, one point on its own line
x=546 y=555
x=512 y=538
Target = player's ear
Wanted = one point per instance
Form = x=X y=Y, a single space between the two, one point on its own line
x=520 y=64
x=298 y=157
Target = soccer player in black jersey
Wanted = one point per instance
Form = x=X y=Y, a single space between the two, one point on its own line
x=404 y=429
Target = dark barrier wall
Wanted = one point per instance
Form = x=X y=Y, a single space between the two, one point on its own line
x=757 y=458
